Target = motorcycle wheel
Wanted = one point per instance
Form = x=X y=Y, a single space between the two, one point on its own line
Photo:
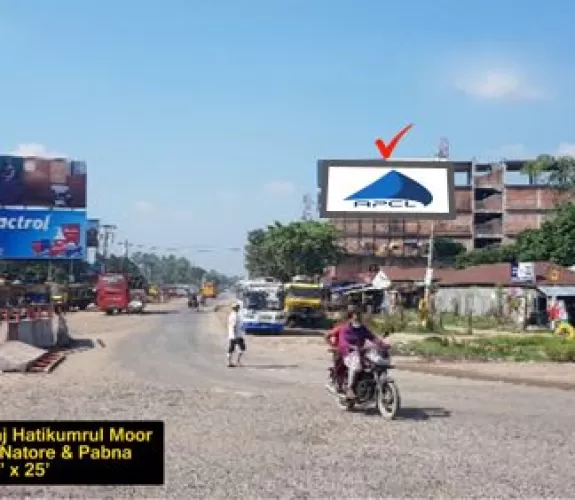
x=388 y=400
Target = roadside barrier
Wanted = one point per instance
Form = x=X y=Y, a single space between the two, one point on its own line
x=35 y=325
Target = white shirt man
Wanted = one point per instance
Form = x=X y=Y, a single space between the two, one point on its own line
x=235 y=336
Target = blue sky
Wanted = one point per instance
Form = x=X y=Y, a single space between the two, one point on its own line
x=200 y=120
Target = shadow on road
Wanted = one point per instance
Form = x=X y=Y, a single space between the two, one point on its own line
x=408 y=413
x=270 y=367
x=170 y=311
x=295 y=332
x=81 y=345
x=415 y=414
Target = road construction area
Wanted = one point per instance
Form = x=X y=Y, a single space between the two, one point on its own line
x=270 y=429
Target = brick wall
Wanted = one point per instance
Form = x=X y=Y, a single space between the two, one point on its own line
x=516 y=198
x=463 y=200
x=544 y=198
x=493 y=178
x=515 y=223
x=460 y=226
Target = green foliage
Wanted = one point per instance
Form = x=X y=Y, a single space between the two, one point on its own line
x=558 y=170
x=505 y=253
x=408 y=322
x=169 y=269
x=40 y=271
x=554 y=241
x=500 y=347
x=286 y=250
x=446 y=249
x=144 y=266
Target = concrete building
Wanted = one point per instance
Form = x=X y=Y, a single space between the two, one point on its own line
x=494 y=202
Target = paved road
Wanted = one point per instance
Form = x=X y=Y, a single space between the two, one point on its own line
x=270 y=430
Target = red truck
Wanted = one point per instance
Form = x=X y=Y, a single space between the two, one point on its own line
x=115 y=293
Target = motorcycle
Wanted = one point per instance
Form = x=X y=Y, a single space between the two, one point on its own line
x=193 y=304
x=372 y=386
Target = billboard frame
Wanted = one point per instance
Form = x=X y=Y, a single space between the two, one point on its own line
x=323 y=167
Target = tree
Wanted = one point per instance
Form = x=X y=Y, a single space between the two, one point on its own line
x=446 y=249
x=284 y=251
x=258 y=258
x=490 y=255
x=554 y=241
x=560 y=170
x=170 y=269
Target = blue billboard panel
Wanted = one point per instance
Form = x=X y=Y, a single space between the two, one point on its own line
x=42 y=234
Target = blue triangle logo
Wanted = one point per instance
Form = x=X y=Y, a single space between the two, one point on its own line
x=393 y=186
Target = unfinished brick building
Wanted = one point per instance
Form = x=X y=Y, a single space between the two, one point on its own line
x=494 y=202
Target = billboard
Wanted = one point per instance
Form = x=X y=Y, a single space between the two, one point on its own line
x=93 y=233
x=381 y=188
x=40 y=182
x=42 y=234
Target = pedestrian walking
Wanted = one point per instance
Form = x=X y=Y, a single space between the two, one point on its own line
x=235 y=336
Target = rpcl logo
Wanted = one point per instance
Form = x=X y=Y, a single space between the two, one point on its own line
x=394 y=190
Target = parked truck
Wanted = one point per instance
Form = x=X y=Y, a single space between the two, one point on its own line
x=208 y=290
x=303 y=302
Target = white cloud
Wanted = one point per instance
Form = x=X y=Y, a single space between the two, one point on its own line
x=143 y=207
x=279 y=188
x=36 y=150
x=498 y=84
x=566 y=149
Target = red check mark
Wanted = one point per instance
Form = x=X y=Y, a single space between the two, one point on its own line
x=386 y=151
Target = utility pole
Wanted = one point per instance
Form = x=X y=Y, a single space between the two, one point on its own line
x=107 y=237
x=442 y=154
x=126 y=254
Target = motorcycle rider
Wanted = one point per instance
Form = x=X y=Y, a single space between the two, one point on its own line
x=332 y=339
x=351 y=340
x=193 y=301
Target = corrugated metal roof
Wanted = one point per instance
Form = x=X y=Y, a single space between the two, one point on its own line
x=557 y=291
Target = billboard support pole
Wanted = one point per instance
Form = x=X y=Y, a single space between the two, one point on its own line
x=126 y=245
x=429 y=271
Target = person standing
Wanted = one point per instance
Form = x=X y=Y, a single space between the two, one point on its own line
x=235 y=336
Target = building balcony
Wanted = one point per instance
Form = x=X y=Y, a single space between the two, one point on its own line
x=492 y=204
x=490 y=229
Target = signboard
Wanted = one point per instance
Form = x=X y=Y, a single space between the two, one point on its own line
x=381 y=188
x=553 y=274
x=43 y=183
x=523 y=272
x=381 y=281
x=42 y=234
x=93 y=233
